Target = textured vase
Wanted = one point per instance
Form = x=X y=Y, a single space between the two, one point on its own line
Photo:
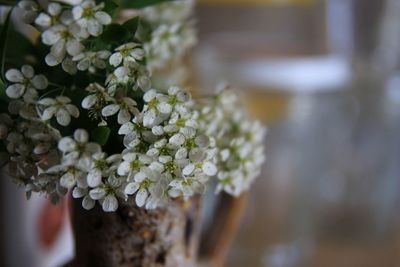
x=135 y=237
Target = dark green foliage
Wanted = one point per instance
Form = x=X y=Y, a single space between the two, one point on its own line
x=100 y=135
x=140 y=3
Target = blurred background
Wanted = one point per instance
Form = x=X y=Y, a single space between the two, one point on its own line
x=323 y=75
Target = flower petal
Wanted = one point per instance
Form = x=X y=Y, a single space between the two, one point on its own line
x=40 y=82
x=81 y=136
x=123 y=168
x=103 y=17
x=63 y=117
x=67 y=180
x=66 y=144
x=72 y=110
x=88 y=203
x=97 y=193
x=177 y=139
x=209 y=168
x=14 y=75
x=141 y=197
x=110 y=110
x=89 y=101
x=74 y=47
x=124 y=116
x=126 y=128
x=110 y=203
x=149 y=95
x=188 y=170
x=94 y=27
x=52 y=60
x=78 y=192
x=27 y=71
x=164 y=108
x=46 y=101
x=115 y=59
x=131 y=188
x=48 y=113
x=94 y=178
x=15 y=90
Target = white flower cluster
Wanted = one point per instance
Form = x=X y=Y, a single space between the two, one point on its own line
x=173 y=33
x=165 y=155
x=169 y=12
x=239 y=141
x=65 y=27
x=127 y=69
x=30 y=143
x=102 y=139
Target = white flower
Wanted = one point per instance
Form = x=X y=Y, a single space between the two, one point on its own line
x=133 y=74
x=168 y=44
x=90 y=18
x=131 y=164
x=107 y=194
x=240 y=143
x=99 y=166
x=156 y=108
x=126 y=53
x=63 y=42
x=125 y=108
x=98 y=97
x=53 y=15
x=87 y=203
x=188 y=187
x=92 y=60
x=134 y=132
x=59 y=107
x=169 y=12
x=69 y=175
x=189 y=144
x=25 y=83
x=78 y=147
x=141 y=184
x=148 y=184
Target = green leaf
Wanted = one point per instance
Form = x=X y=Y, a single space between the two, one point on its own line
x=3 y=43
x=100 y=135
x=140 y=3
x=110 y=6
x=3 y=96
x=115 y=34
x=132 y=25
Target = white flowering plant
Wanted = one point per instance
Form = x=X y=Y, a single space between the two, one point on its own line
x=80 y=110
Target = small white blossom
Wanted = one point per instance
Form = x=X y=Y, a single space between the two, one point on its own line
x=133 y=74
x=53 y=14
x=107 y=194
x=60 y=107
x=98 y=97
x=125 y=109
x=92 y=61
x=168 y=44
x=25 y=83
x=135 y=133
x=63 y=42
x=78 y=147
x=169 y=12
x=90 y=18
x=131 y=164
x=126 y=53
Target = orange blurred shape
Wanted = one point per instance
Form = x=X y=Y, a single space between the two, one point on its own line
x=51 y=220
